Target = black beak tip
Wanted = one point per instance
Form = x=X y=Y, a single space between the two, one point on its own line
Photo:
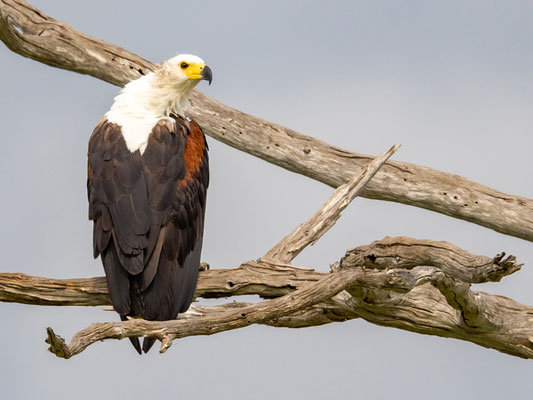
x=207 y=74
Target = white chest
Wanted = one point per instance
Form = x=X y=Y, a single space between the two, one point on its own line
x=135 y=131
x=141 y=105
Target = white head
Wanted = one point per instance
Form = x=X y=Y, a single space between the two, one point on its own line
x=175 y=79
x=183 y=71
x=144 y=101
x=164 y=91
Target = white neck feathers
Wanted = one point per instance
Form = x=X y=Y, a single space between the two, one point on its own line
x=142 y=103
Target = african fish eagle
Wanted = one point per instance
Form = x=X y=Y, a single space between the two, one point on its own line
x=147 y=182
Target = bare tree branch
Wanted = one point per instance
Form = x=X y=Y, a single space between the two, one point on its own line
x=31 y=33
x=270 y=279
x=423 y=309
x=167 y=331
x=404 y=252
x=312 y=230
x=26 y=289
x=488 y=320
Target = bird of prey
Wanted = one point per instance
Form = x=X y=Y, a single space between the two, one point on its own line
x=147 y=182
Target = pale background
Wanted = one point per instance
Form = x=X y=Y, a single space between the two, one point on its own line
x=451 y=81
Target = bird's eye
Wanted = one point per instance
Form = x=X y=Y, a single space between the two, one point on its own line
x=184 y=65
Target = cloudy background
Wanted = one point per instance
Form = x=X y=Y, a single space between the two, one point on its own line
x=451 y=81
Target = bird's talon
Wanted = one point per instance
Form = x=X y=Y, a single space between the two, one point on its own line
x=204 y=266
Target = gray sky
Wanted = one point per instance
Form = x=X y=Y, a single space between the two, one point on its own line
x=451 y=81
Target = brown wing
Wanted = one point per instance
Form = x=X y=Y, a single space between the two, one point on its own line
x=118 y=205
x=169 y=280
x=148 y=212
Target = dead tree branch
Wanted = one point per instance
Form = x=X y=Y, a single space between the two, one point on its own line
x=268 y=279
x=309 y=232
x=423 y=309
x=364 y=277
x=31 y=33
x=403 y=252
x=421 y=299
x=168 y=331
x=327 y=287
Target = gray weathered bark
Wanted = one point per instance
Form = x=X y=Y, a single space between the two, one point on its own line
x=268 y=278
x=421 y=299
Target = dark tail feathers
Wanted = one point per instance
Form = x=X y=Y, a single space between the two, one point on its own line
x=134 y=341
x=147 y=342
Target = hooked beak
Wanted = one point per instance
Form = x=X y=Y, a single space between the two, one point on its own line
x=207 y=74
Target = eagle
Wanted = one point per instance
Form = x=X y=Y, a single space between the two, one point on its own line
x=147 y=182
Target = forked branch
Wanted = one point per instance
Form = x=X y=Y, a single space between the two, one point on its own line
x=324 y=289
x=312 y=230
x=408 y=299
x=396 y=276
x=423 y=309
x=374 y=276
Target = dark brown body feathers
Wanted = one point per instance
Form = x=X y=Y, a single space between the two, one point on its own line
x=148 y=213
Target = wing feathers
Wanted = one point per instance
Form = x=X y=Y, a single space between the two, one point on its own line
x=148 y=212
x=117 y=279
x=151 y=267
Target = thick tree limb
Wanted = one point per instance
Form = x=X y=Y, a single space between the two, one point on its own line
x=31 y=33
x=167 y=331
x=423 y=309
x=488 y=320
x=268 y=279
x=26 y=289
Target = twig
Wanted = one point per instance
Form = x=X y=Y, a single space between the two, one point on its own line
x=312 y=230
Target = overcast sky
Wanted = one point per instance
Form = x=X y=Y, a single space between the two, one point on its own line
x=452 y=81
